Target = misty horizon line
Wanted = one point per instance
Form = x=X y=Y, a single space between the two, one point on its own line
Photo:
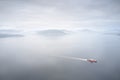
x=10 y=32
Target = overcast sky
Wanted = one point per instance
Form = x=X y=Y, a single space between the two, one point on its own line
x=59 y=13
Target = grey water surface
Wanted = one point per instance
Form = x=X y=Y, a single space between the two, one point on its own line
x=32 y=57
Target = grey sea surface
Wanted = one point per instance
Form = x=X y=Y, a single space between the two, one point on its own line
x=32 y=57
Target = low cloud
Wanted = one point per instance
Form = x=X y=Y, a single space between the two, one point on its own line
x=56 y=33
x=113 y=33
x=105 y=31
x=52 y=33
x=10 y=35
x=6 y=33
x=62 y=32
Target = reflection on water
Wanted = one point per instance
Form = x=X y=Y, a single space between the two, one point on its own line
x=31 y=57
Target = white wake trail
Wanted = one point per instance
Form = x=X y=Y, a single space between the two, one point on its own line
x=72 y=58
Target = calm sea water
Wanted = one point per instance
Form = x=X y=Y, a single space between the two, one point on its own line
x=32 y=57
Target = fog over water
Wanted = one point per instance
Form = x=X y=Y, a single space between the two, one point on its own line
x=31 y=57
x=34 y=34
